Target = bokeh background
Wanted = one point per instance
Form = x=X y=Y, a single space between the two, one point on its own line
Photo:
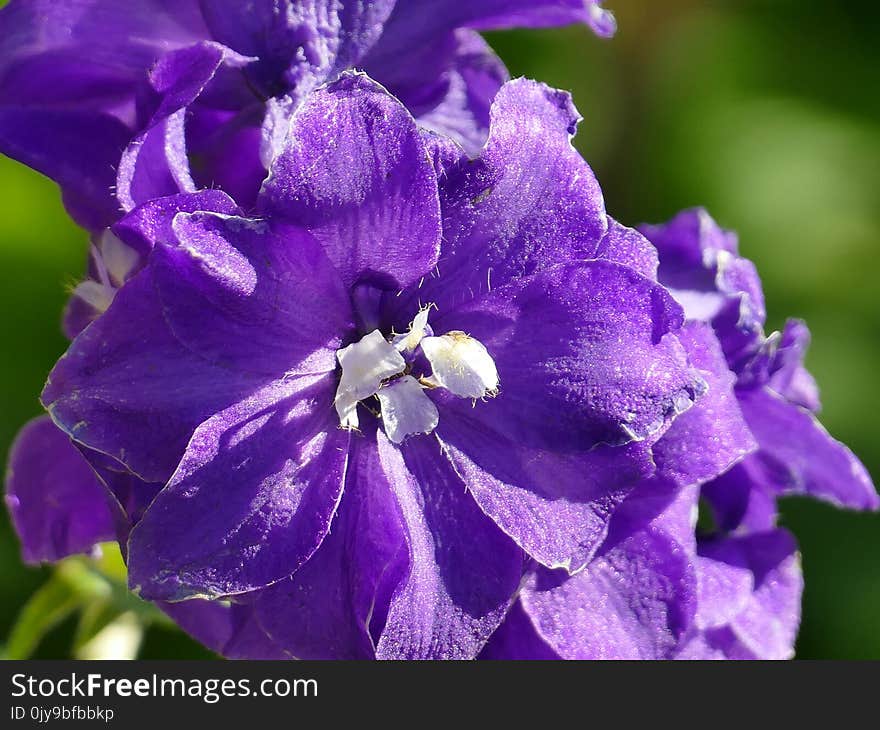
x=765 y=111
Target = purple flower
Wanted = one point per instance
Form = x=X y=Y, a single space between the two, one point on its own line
x=115 y=100
x=749 y=597
x=501 y=348
x=778 y=397
x=657 y=596
x=749 y=571
x=400 y=388
x=57 y=506
x=636 y=600
x=658 y=588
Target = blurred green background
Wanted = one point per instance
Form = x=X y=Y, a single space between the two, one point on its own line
x=765 y=111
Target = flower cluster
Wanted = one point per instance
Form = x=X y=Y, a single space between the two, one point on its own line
x=362 y=367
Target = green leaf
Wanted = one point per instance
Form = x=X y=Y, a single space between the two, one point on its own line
x=48 y=607
x=92 y=620
x=94 y=587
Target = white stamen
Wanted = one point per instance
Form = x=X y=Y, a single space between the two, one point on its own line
x=365 y=364
x=461 y=364
x=98 y=296
x=114 y=261
x=119 y=258
x=374 y=366
x=418 y=329
x=406 y=410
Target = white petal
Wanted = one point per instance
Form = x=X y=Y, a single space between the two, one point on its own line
x=406 y=409
x=346 y=409
x=461 y=364
x=418 y=329
x=119 y=258
x=365 y=364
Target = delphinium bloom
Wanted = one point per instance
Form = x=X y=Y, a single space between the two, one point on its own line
x=376 y=404
x=751 y=575
x=404 y=403
x=742 y=599
x=124 y=102
x=700 y=264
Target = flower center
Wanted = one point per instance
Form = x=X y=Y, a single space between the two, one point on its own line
x=374 y=366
